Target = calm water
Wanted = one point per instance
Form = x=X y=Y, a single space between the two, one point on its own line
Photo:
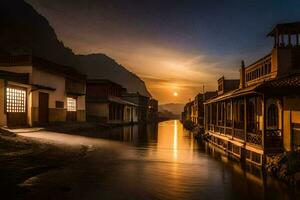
x=155 y=162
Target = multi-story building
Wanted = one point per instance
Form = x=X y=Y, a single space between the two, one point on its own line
x=197 y=110
x=38 y=92
x=105 y=103
x=261 y=116
x=187 y=111
x=152 y=114
x=142 y=105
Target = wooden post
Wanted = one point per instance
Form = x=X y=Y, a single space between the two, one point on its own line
x=245 y=118
x=232 y=118
x=282 y=40
x=263 y=122
x=217 y=115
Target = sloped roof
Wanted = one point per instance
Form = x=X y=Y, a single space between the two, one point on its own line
x=103 y=81
x=16 y=77
x=287 y=28
x=285 y=85
x=40 y=63
x=109 y=99
x=233 y=93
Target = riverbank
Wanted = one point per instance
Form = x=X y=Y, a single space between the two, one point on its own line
x=284 y=166
x=22 y=158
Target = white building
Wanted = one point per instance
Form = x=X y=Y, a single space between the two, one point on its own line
x=39 y=92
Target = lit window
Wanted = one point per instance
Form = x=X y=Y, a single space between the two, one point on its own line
x=15 y=100
x=71 y=104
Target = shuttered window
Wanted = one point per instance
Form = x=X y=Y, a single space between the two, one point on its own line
x=15 y=100
x=71 y=104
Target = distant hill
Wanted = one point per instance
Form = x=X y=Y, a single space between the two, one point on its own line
x=104 y=67
x=175 y=108
x=24 y=31
x=167 y=115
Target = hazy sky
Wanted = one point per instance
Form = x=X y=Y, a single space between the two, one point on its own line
x=174 y=46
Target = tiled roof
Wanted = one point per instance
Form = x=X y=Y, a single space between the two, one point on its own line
x=286 y=81
x=233 y=93
x=23 y=60
x=289 y=84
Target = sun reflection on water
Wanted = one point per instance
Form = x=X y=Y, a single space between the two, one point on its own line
x=175 y=142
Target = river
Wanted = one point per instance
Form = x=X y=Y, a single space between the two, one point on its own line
x=153 y=162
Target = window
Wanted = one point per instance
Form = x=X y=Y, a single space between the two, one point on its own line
x=250 y=116
x=272 y=120
x=15 y=100
x=71 y=104
x=59 y=104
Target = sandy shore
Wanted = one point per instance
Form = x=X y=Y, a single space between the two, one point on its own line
x=22 y=158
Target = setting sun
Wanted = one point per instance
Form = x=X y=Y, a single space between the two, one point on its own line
x=175 y=94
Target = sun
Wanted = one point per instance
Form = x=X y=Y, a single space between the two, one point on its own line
x=175 y=94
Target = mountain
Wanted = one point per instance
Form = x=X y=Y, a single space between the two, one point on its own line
x=164 y=115
x=104 y=67
x=24 y=31
x=174 y=108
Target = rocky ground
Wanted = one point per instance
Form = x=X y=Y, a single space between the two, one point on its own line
x=22 y=158
x=285 y=166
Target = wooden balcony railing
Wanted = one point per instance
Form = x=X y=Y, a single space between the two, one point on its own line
x=228 y=131
x=211 y=127
x=255 y=138
x=239 y=133
x=228 y=123
x=239 y=125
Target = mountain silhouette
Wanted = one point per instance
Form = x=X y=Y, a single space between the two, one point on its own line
x=104 y=67
x=175 y=108
x=23 y=31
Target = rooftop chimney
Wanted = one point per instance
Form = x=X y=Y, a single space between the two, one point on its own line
x=242 y=75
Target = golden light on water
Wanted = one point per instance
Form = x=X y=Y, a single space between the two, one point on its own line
x=175 y=142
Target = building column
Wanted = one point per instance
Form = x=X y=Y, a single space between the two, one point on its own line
x=263 y=122
x=224 y=114
x=282 y=40
x=245 y=118
x=297 y=39
x=218 y=112
x=232 y=119
x=289 y=40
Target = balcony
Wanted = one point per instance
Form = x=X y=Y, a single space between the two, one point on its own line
x=239 y=125
x=255 y=138
x=228 y=131
x=239 y=134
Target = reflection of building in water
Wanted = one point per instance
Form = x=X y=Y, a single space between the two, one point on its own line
x=105 y=103
x=261 y=116
x=136 y=134
x=250 y=170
